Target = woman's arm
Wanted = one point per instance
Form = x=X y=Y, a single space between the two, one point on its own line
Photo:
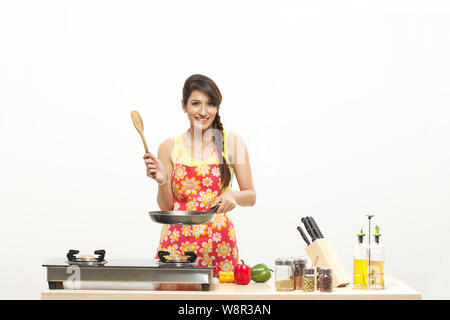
x=241 y=163
x=165 y=193
x=159 y=169
x=239 y=160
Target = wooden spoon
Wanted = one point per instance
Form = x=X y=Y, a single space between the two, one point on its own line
x=137 y=121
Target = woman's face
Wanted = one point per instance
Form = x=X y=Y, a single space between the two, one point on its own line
x=201 y=112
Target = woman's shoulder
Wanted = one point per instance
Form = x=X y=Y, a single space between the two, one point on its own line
x=166 y=148
x=233 y=137
x=168 y=143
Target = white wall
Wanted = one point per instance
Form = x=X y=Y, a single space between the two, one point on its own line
x=344 y=106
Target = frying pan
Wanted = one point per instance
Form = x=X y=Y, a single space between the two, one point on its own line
x=183 y=217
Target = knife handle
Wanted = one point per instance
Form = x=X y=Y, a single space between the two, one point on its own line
x=316 y=227
x=303 y=235
x=313 y=228
x=308 y=229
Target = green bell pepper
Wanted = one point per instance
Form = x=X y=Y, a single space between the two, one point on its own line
x=261 y=273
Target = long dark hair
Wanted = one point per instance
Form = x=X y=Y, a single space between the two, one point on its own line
x=208 y=87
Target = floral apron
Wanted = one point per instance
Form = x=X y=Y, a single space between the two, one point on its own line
x=198 y=184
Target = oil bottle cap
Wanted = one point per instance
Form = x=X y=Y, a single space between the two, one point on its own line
x=361 y=235
x=377 y=234
x=377 y=231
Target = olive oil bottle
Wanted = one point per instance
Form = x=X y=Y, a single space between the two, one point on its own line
x=376 y=268
x=360 y=263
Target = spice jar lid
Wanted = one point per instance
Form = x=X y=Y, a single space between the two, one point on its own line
x=309 y=271
x=299 y=260
x=283 y=261
x=327 y=271
x=319 y=270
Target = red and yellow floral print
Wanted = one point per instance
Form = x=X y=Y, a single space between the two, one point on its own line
x=187 y=246
x=199 y=230
x=175 y=235
x=179 y=172
x=214 y=243
x=226 y=265
x=207 y=260
x=206 y=247
x=216 y=172
x=223 y=250
x=207 y=197
x=187 y=231
x=202 y=170
x=219 y=222
x=207 y=182
x=190 y=186
x=191 y=205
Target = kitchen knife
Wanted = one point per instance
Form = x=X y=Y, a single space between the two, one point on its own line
x=309 y=230
x=315 y=226
x=303 y=235
x=313 y=229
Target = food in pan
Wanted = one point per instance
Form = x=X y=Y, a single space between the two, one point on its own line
x=86 y=257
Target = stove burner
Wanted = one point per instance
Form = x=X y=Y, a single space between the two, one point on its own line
x=86 y=260
x=177 y=261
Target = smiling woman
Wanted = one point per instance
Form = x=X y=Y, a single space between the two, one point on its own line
x=200 y=164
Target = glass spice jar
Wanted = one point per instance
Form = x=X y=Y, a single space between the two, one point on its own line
x=284 y=274
x=299 y=265
x=326 y=280
x=309 y=279
x=318 y=272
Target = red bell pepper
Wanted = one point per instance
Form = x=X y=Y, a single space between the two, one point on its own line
x=242 y=273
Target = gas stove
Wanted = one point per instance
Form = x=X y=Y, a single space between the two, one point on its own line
x=91 y=272
x=86 y=259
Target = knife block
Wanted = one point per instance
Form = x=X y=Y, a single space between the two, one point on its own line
x=322 y=254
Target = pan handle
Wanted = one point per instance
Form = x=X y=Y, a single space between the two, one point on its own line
x=212 y=210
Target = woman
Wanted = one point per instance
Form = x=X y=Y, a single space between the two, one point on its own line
x=194 y=171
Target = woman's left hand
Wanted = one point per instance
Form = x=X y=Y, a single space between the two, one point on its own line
x=227 y=202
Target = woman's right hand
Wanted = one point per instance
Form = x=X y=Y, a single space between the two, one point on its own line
x=155 y=168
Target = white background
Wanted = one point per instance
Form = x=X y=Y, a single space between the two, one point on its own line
x=344 y=106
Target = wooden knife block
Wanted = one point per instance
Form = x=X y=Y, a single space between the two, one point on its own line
x=322 y=254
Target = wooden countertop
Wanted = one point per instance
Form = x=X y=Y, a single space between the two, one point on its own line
x=395 y=290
